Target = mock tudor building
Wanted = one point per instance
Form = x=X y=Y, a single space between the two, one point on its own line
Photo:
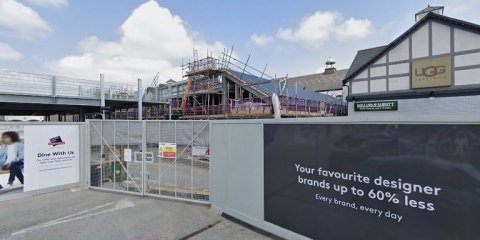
x=433 y=68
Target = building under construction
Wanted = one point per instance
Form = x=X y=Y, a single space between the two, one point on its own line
x=221 y=88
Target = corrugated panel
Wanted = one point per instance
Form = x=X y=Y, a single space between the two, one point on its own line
x=269 y=88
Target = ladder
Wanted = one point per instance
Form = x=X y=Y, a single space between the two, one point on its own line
x=190 y=79
x=187 y=91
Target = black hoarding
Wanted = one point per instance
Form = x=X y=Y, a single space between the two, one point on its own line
x=375 y=182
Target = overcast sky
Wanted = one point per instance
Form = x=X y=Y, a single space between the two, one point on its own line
x=130 y=39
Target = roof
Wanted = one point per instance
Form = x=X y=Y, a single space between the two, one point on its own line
x=320 y=82
x=429 y=9
x=269 y=88
x=365 y=59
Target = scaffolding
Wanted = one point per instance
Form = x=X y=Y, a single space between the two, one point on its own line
x=226 y=87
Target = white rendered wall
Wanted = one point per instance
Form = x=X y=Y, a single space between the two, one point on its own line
x=467 y=77
x=467 y=60
x=465 y=41
x=420 y=42
x=402 y=68
x=360 y=87
x=378 y=85
x=398 y=83
x=400 y=52
x=440 y=39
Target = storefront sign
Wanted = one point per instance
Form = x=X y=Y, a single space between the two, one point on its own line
x=434 y=72
x=376 y=106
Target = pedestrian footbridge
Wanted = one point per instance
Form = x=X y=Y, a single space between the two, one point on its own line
x=44 y=95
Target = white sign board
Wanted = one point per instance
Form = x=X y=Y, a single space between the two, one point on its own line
x=200 y=151
x=127 y=154
x=51 y=156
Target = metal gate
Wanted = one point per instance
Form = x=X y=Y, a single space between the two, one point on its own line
x=155 y=158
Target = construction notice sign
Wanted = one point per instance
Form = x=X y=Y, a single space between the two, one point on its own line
x=167 y=150
x=200 y=151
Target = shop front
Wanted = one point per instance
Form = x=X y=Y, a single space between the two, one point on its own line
x=431 y=69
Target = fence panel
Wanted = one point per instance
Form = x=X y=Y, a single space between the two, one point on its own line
x=156 y=158
x=110 y=167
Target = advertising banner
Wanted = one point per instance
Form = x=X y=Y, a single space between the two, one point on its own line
x=42 y=155
x=11 y=159
x=51 y=156
x=376 y=182
x=167 y=150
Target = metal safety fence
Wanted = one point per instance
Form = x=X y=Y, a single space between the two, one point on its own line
x=155 y=158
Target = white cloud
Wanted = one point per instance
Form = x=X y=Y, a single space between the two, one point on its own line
x=54 y=3
x=460 y=6
x=354 y=29
x=463 y=9
x=7 y=53
x=152 y=40
x=312 y=30
x=22 y=20
x=261 y=40
x=319 y=27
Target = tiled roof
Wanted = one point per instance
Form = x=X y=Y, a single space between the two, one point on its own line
x=363 y=57
x=320 y=82
x=366 y=57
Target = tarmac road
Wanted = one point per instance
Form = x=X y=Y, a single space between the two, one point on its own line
x=92 y=214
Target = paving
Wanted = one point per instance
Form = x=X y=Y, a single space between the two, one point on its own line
x=91 y=214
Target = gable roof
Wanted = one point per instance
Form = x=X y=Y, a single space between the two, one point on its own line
x=269 y=88
x=362 y=58
x=320 y=82
x=361 y=64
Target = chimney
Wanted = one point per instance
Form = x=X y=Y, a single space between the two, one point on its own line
x=330 y=67
x=434 y=9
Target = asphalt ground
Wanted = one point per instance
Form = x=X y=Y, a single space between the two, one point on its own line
x=91 y=214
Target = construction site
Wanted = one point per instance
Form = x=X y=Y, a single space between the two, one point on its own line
x=208 y=88
x=227 y=88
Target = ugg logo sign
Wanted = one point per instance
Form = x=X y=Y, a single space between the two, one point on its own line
x=430 y=71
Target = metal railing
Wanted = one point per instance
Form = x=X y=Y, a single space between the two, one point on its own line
x=25 y=83
x=71 y=87
x=20 y=83
x=208 y=63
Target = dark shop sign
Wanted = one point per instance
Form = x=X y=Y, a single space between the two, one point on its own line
x=376 y=106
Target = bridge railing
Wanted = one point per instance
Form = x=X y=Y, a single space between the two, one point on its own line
x=21 y=83
x=71 y=87
x=25 y=83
